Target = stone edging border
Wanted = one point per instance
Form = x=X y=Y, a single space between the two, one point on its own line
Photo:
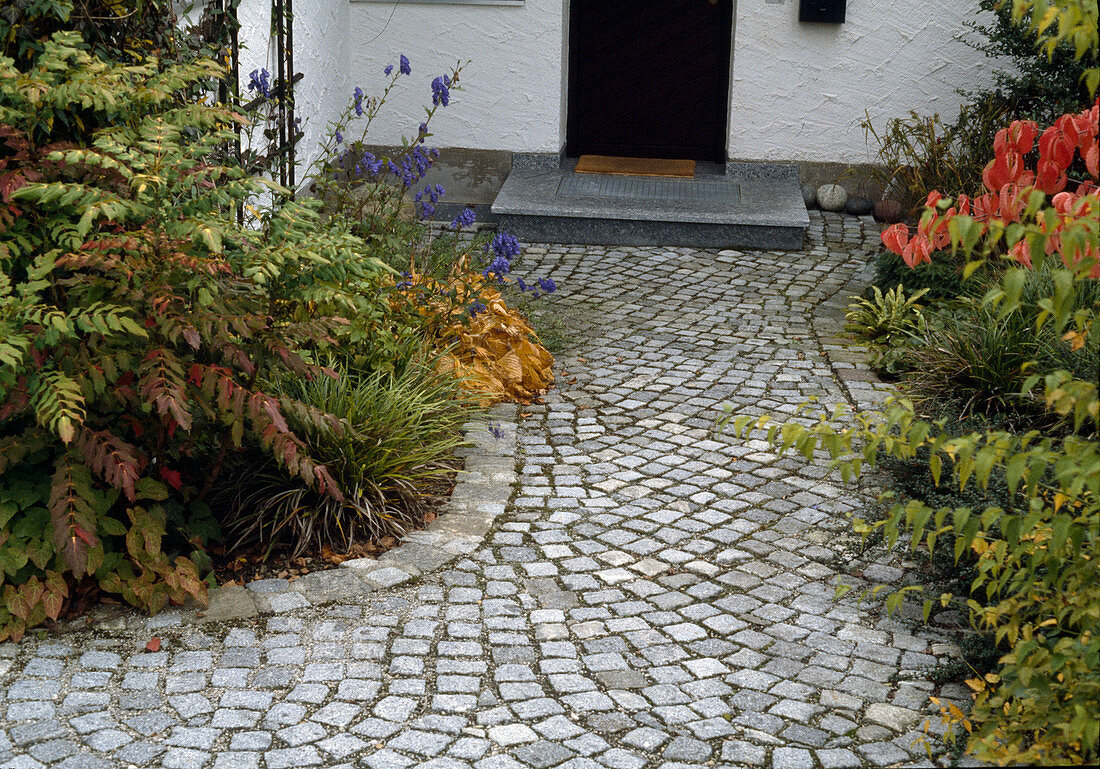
x=481 y=493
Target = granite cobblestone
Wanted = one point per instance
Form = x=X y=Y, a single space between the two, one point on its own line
x=613 y=585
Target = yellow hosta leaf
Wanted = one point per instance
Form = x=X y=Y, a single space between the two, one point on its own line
x=510 y=365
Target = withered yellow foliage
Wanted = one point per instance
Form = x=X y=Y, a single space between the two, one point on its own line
x=495 y=353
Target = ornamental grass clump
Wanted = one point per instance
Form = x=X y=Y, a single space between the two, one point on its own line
x=391 y=454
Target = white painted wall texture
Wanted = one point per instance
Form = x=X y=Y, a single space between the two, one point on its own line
x=511 y=97
x=320 y=53
x=797 y=91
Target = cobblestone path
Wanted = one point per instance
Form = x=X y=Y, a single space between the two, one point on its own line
x=648 y=595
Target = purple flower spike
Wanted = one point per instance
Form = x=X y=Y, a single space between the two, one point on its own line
x=464 y=219
x=406 y=68
x=260 y=80
x=441 y=93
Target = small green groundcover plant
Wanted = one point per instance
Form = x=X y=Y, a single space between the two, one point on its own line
x=1036 y=581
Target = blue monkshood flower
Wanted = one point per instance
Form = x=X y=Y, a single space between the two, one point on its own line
x=522 y=286
x=388 y=70
x=441 y=93
x=339 y=137
x=464 y=219
x=358 y=101
x=504 y=245
x=367 y=164
x=427 y=210
x=476 y=307
x=548 y=285
x=260 y=80
x=499 y=267
x=406 y=68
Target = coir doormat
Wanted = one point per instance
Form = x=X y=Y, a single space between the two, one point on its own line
x=606 y=164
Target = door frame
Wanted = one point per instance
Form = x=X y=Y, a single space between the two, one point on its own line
x=571 y=54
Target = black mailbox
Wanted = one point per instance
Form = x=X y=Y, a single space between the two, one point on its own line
x=821 y=11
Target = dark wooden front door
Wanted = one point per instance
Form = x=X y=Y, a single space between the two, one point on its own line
x=649 y=78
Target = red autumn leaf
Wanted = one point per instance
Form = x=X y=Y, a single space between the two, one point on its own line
x=153 y=645
x=172 y=478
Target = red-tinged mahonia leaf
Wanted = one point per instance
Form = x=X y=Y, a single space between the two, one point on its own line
x=260 y=404
x=119 y=463
x=72 y=514
x=312 y=417
x=238 y=357
x=188 y=579
x=172 y=478
x=160 y=381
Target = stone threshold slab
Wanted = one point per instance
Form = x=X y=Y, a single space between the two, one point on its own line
x=750 y=206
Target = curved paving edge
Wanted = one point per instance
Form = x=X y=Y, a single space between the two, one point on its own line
x=480 y=495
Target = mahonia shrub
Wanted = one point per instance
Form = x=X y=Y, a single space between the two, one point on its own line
x=1036 y=586
x=136 y=319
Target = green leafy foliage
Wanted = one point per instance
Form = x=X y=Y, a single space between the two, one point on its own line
x=114 y=30
x=1040 y=85
x=889 y=321
x=1035 y=587
x=942 y=276
x=136 y=318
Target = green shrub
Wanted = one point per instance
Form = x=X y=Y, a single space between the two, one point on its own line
x=135 y=319
x=1037 y=86
x=394 y=450
x=978 y=357
x=942 y=278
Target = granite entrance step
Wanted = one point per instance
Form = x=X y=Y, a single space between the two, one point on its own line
x=744 y=205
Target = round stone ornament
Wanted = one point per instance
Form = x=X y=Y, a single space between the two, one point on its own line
x=858 y=206
x=831 y=197
x=889 y=211
x=809 y=195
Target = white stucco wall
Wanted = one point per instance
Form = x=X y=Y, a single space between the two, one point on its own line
x=511 y=97
x=321 y=44
x=798 y=91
